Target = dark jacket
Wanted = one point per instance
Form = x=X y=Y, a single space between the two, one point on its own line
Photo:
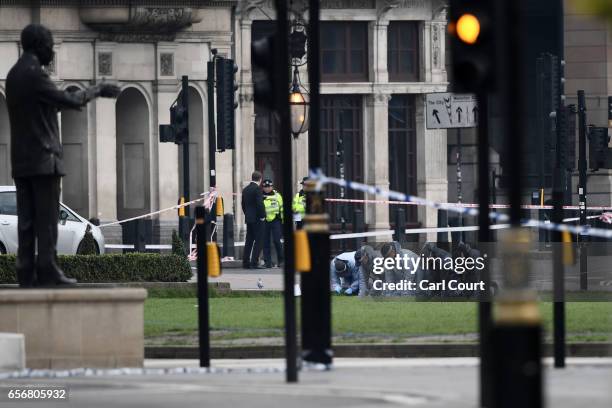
x=252 y=203
x=33 y=103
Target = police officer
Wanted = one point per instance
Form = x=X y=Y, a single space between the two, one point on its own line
x=273 y=204
x=298 y=206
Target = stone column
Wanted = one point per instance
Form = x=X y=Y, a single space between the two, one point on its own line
x=380 y=72
x=105 y=144
x=432 y=182
x=103 y=141
x=376 y=156
x=426 y=52
x=244 y=154
x=167 y=155
x=438 y=51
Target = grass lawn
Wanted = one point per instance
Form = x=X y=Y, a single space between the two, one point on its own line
x=252 y=319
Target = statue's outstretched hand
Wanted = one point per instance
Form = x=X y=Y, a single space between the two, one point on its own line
x=108 y=90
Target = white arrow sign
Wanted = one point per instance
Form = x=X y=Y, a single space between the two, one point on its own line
x=448 y=110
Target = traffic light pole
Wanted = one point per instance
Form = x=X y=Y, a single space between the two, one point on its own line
x=557 y=217
x=316 y=296
x=212 y=139
x=516 y=336
x=582 y=186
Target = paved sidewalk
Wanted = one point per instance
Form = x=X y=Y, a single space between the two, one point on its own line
x=352 y=383
x=246 y=279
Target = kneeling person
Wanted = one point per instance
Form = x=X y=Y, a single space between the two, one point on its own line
x=344 y=274
x=273 y=204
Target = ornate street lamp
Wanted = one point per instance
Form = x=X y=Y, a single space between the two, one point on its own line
x=298 y=104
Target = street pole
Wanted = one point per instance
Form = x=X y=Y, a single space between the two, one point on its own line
x=557 y=217
x=340 y=154
x=484 y=237
x=316 y=296
x=212 y=139
x=582 y=185
x=282 y=104
x=560 y=177
x=458 y=157
x=202 y=267
x=516 y=335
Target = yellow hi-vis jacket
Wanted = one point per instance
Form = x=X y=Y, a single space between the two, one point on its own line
x=273 y=205
x=298 y=206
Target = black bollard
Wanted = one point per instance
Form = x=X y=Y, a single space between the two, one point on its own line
x=400 y=225
x=442 y=237
x=358 y=226
x=228 y=235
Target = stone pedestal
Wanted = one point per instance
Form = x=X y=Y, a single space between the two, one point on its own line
x=73 y=328
x=12 y=351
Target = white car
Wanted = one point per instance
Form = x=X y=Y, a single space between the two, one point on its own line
x=71 y=226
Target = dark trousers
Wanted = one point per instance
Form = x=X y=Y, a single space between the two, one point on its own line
x=38 y=214
x=252 y=243
x=272 y=232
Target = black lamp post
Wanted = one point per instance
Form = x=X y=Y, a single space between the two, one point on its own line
x=298 y=104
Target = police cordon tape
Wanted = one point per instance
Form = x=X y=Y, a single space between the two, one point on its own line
x=321 y=179
x=467 y=205
x=207 y=197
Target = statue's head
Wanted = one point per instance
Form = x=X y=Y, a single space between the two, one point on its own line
x=37 y=39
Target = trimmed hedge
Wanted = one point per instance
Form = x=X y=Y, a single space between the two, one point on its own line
x=133 y=267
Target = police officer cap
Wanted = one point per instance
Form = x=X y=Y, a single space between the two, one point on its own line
x=267 y=183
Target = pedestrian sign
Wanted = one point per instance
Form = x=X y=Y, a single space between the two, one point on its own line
x=448 y=110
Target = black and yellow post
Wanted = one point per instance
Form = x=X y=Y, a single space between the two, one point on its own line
x=316 y=297
x=516 y=335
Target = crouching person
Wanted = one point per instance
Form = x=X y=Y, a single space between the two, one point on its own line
x=344 y=274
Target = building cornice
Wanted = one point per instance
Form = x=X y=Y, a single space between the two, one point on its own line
x=121 y=3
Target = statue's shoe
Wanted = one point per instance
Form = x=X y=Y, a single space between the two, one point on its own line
x=56 y=278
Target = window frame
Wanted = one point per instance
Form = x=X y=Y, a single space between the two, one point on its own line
x=347 y=29
x=402 y=142
x=395 y=29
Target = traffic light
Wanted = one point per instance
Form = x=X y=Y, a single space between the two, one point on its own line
x=178 y=129
x=265 y=65
x=570 y=163
x=472 y=45
x=179 y=120
x=598 y=147
x=226 y=102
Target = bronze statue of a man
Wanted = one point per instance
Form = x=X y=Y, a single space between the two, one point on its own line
x=36 y=154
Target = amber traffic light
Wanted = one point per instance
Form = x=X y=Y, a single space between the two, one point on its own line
x=472 y=45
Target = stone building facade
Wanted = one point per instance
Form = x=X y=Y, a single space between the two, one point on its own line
x=380 y=59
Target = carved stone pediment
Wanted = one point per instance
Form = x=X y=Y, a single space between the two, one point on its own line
x=125 y=22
